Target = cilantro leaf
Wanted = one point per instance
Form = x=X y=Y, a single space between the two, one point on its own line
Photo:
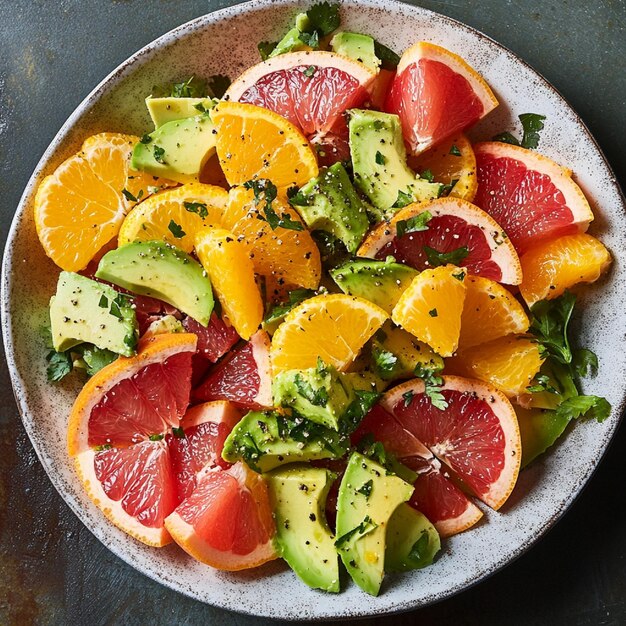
x=388 y=58
x=404 y=199
x=366 y=526
x=94 y=358
x=295 y=297
x=60 y=364
x=419 y=549
x=193 y=87
x=585 y=362
x=432 y=384
x=385 y=362
x=436 y=258
x=265 y=191
x=324 y=17
x=584 y=406
x=218 y=84
x=550 y=321
x=506 y=137
x=532 y=123
x=310 y=39
x=176 y=229
x=317 y=397
x=414 y=224
x=197 y=207
x=358 y=409
x=428 y=175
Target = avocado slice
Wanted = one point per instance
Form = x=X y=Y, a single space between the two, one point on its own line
x=84 y=310
x=176 y=150
x=325 y=396
x=368 y=496
x=298 y=497
x=267 y=439
x=162 y=271
x=164 y=110
x=379 y=162
x=358 y=47
x=406 y=352
x=330 y=203
x=412 y=541
x=539 y=429
x=380 y=282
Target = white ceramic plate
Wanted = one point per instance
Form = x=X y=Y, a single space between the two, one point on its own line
x=225 y=42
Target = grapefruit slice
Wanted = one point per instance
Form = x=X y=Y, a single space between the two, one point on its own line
x=436 y=94
x=214 y=340
x=227 y=521
x=116 y=431
x=242 y=376
x=312 y=90
x=439 y=499
x=477 y=436
x=456 y=228
x=530 y=196
x=435 y=495
x=197 y=444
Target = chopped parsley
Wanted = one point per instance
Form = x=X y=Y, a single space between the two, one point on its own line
x=193 y=87
x=418 y=551
x=428 y=175
x=380 y=158
x=366 y=488
x=532 y=125
x=310 y=71
x=432 y=384
x=388 y=58
x=414 y=224
x=404 y=198
x=436 y=258
x=454 y=150
x=266 y=191
x=358 y=409
x=176 y=229
x=129 y=196
x=159 y=155
x=294 y=297
x=145 y=138
x=317 y=397
x=433 y=313
x=197 y=207
x=385 y=362
x=178 y=432
x=366 y=526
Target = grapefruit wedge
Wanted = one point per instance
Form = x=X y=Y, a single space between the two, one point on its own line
x=435 y=495
x=477 y=437
x=436 y=94
x=463 y=233
x=116 y=434
x=242 y=376
x=312 y=90
x=227 y=520
x=530 y=196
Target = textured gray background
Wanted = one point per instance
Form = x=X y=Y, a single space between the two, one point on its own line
x=52 y=570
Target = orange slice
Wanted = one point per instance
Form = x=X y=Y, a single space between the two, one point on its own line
x=554 y=266
x=332 y=327
x=451 y=163
x=175 y=216
x=80 y=207
x=509 y=363
x=431 y=308
x=256 y=143
x=285 y=258
x=490 y=311
x=232 y=275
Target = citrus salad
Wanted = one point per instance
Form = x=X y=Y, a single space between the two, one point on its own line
x=315 y=320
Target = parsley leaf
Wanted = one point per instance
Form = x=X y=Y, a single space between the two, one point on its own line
x=414 y=224
x=380 y=158
x=366 y=488
x=358 y=409
x=266 y=48
x=550 y=321
x=310 y=39
x=310 y=71
x=317 y=397
x=419 y=549
x=506 y=137
x=532 y=123
x=193 y=87
x=176 y=229
x=145 y=138
x=436 y=258
x=94 y=358
x=388 y=58
x=385 y=362
x=128 y=195
x=366 y=526
x=60 y=364
x=428 y=175
x=587 y=406
x=324 y=17
x=295 y=297
x=454 y=150
x=432 y=384
x=159 y=154
x=404 y=199
x=197 y=207
x=265 y=190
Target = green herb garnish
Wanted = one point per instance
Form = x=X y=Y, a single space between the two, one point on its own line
x=414 y=224
x=176 y=229
x=436 y=258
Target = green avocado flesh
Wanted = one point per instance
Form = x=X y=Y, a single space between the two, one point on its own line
x=358 y=47
x=330 y=203
x=84 y=310
x=159 y=270
x=380 y=282
x=379 y=162
x=298 y=497
x=177 y=150
x=164 y=110
x=539 y=429
x=267 y=439
x=368 y=497
x=412 y=541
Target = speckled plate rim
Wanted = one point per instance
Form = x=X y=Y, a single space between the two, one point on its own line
x=20 y=387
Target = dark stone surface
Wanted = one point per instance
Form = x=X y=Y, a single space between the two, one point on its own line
x=52 y=570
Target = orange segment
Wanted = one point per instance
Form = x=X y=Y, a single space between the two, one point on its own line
x=192 y=207
x=80 y=207
x=508 y=363
x=554 y=266
x=333 y=327
x=453 y=160
x=285 y=258
x=256 y=143
x=232 y=275
x=431 y=308
x=490 y=311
